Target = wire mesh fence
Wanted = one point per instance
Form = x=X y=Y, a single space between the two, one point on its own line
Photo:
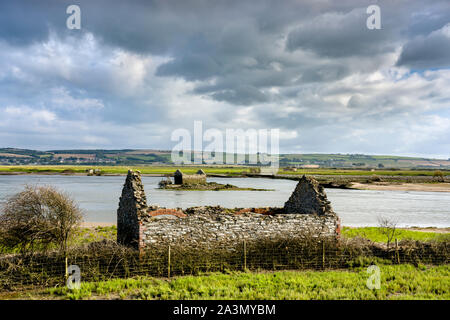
x=107 y=260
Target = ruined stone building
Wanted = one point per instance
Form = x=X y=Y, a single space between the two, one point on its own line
x=141 y=226
x=308 y=198
x=182 y=178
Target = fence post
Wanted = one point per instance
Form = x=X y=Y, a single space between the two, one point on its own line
x=66 y=263
x=245 y=256
x=168 y=263
x=323 y=254
x=396 y=251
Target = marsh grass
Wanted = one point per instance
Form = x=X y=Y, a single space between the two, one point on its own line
x=375 y=234
x=397 y=282
x=223 y=170
x=106 y=260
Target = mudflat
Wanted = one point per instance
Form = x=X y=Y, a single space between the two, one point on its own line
x=389 y=186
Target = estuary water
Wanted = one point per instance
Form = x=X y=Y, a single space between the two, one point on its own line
x=99 y=198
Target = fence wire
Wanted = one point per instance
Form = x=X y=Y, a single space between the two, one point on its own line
x=106 y=260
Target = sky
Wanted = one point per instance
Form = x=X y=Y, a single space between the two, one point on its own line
x=138 y=70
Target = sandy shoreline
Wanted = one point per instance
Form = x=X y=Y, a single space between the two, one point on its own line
x=386 y=186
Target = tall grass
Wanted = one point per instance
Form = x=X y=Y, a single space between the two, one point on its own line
x=106 y=260
x=375 y=234
x=397 y=282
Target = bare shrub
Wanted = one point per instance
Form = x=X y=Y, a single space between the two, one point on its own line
x=164 y=183
x=38 y=217
x=438 y=175
x=255 y=170
x=387 y=227
x=376 y=178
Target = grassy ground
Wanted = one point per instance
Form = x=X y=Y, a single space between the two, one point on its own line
x=227 y=170
x=397 y=282
x=85 y=235
x=375 y=234
x=82 y=236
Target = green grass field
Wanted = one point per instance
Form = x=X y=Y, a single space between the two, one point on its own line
x=226 y=170
x=375 y=234
x=86 y=235
x=123 y=169
x=397 y=282
x=93 y=234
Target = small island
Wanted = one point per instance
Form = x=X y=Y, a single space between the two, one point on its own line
x=197 y=182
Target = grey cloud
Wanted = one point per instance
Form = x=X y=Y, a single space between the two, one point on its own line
x=309 y=67
x=336 y=35
x=431 y=51
x=243 y=95
x=191 y=67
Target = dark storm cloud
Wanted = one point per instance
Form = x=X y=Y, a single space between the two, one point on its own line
x=340 y=34
x=311 y=68
x=24 y=22
x=431 y=51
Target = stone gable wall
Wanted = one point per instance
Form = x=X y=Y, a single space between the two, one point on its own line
x=193 y=179
x=308 y=198
x=132 y=207
x=182 y=178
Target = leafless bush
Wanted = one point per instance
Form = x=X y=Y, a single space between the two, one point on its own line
x=38 y=217
x=438 y=175
x=387 y=227
x=255 y=170
x=164 y=183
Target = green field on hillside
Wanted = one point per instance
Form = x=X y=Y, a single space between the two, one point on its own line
x=139 y=157
x=123 y=169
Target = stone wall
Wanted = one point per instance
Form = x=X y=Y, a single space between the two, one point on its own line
x=140 y=226
x=132 y=207
x=215 y=224
x=182 y=178
x=308 y=198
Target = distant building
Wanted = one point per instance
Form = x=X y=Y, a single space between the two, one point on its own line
x=182 y=178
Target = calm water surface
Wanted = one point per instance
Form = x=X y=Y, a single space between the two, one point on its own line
x=99 y=197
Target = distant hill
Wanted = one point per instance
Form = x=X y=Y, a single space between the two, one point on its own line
x=14 y=156
x=361 y=161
